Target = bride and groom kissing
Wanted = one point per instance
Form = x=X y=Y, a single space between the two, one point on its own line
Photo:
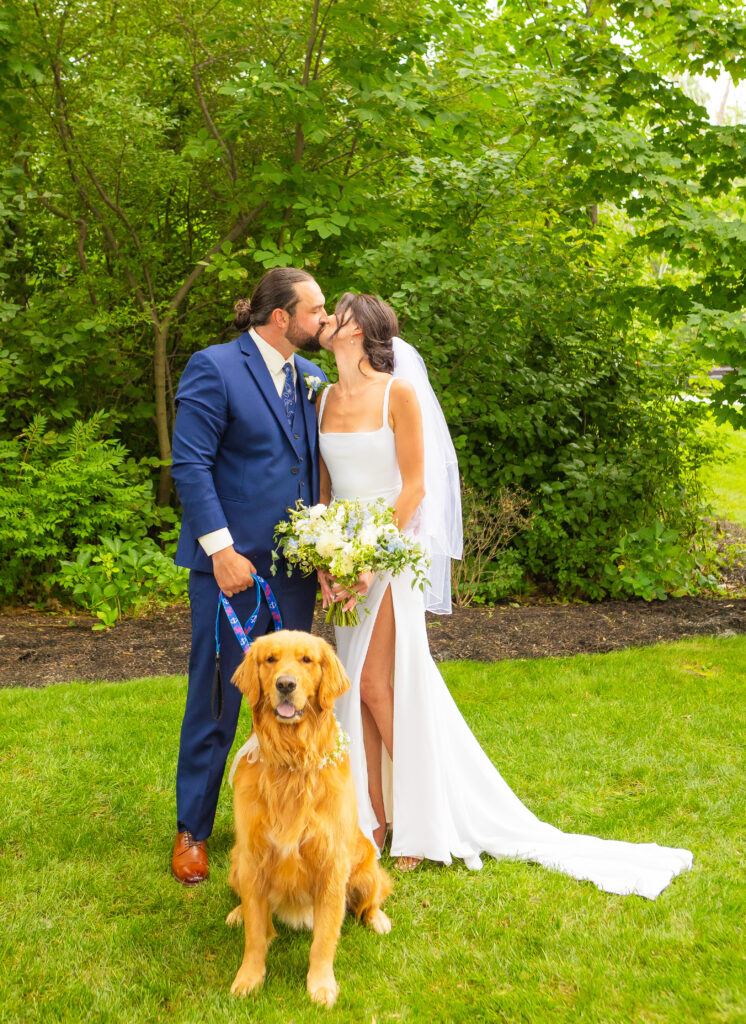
x=250 y=440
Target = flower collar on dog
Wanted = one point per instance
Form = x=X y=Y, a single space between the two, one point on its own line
x=252 y=752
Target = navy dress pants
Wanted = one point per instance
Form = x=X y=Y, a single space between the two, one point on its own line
x=205 y=743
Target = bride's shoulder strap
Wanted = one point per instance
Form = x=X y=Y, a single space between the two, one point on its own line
x=324 y=393
x=386 y=403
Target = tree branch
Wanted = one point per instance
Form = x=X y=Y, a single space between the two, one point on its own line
x=82 y=232
x=544 y=45
x=232 y=173
x=235 y=232
x=55 y=210
x=318 y=55
x=67 y=140
x=339 y=156
x=352 y=153
x=300 y=141
x=372 y=163
x=119 y=212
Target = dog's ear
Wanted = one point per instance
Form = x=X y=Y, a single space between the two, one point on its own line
x=334 y=681
x=246 y=677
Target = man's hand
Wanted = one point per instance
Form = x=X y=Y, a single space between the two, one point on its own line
x=232 y=571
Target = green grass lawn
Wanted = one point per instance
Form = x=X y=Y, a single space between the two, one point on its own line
x=643 y=745
x=726 y=480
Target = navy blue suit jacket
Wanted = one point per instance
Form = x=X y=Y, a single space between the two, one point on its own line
x=236 y=461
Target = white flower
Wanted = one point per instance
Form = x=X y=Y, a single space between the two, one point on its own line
x=326 y=545
x=313 y=384
x=315 y=511
x=344 y=564
x=368 y=536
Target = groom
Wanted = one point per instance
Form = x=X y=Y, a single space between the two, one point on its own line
x=244 y=450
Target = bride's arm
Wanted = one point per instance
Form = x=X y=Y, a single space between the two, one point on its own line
x=325 y=496
x=325 y=483
x=410 y=452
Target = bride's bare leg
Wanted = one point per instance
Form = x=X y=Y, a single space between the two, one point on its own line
x=377 y=698
x=372 y=743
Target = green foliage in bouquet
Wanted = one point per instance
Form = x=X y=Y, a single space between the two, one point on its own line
x=343 y=540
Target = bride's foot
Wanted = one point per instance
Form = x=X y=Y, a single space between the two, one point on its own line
x=407 y=863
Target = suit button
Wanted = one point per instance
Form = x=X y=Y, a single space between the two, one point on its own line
x=300 y=458
x=294 y=469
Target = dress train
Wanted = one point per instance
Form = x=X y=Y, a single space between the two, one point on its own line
x=443 y=795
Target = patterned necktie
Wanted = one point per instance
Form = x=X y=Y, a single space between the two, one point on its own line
x=288 y=394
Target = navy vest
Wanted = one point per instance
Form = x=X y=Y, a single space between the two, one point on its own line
x=304 y=467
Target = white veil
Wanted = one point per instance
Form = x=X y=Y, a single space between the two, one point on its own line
x=438 y=518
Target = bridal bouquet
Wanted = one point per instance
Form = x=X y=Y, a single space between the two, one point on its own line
x=345 y=539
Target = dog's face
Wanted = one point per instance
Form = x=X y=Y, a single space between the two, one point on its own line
x=289 y=673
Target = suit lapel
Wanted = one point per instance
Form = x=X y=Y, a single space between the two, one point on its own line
x=258 y=369
x=309 y=409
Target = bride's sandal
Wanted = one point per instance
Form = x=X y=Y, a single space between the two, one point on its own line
x=407 y=863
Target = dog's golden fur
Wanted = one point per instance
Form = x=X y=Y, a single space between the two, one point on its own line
x=299 y=851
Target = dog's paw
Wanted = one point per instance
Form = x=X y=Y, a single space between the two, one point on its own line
x=235 y=917
x=247 y=981
x=323 y=988
x=379 y=922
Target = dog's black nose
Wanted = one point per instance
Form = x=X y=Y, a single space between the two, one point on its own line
x=285 y=684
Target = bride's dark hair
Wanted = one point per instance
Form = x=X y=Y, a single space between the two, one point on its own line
x=379 y=325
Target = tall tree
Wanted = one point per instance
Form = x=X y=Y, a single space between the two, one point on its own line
x=165 y=137
x=552 y=217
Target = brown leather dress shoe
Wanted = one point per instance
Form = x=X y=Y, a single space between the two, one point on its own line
x=189 y=862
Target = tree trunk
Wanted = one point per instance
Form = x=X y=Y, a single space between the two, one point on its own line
x=160 y=356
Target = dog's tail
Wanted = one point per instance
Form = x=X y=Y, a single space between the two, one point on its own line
x=369 y=885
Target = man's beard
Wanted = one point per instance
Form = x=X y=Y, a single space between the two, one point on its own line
x=301 y=339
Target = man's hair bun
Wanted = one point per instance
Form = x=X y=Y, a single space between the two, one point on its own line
x=243 y=314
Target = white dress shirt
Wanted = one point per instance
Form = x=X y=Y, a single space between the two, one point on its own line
x=275 y=362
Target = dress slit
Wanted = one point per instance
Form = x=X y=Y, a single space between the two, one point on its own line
x=353 y=644
x=386 y=765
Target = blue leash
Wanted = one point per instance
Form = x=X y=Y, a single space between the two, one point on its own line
x=242 y=634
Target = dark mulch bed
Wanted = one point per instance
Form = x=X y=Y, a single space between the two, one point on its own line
x=37 y=649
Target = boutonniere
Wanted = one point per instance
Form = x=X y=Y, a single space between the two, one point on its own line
x=315 y=385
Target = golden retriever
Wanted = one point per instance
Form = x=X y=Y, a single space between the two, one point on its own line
x=299 y=851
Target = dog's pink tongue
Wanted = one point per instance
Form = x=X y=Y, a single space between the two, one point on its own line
x=285 y=710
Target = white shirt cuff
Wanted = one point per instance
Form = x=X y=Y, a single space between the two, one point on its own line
x=216 y=541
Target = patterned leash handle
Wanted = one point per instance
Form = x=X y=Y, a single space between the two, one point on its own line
x=242 y=635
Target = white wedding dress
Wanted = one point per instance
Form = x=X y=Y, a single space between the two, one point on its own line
x=444 y=797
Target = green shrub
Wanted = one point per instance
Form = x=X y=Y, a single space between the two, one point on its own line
x=60 y=492
x=490 y=570
x=119 y=576
x=652 y=563
x=555 y=385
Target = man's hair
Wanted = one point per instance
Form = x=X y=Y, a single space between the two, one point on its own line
x=276 y=290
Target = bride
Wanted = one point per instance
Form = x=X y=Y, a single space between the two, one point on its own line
x=417 y=766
